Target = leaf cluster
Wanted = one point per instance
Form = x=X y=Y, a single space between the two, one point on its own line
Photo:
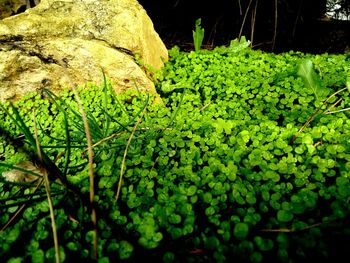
x=211 y=175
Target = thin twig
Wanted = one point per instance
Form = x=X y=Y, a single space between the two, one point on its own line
x=205 y=106
x=275 y=27
x=126 y=152
x=253 y=23
x=291 y=230
x=48 y=192
x=314 y=114
x=154 y=163
x=91 y=168
x=297 y=18
x=332 y=106
x=244 y=18
x=331 y=112
x=318 y=143
x=240 y=7
x=19 y=210
x=103 y=140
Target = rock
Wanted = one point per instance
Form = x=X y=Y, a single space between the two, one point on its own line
x=12 y=7
x=65 y=43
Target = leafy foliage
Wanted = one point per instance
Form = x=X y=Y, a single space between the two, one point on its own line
x=211 y=175
x=310 y=77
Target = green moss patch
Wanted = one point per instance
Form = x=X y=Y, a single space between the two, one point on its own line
x=223 y=171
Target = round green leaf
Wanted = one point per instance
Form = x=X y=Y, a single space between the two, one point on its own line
x=263 y=244
x=241 y=230
x=38 y=256
x=284 y=216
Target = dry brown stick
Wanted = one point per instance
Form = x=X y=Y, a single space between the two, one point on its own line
x=314 y=114
x=240 y=7
x=253 y=23
x=244 y=18
x=19 y=210
x=291 y=230
x=332 y=106
x=103 y=140
x=275 y=27
x=126 y=152
x=91 y=168
x=336 y=111
x=297 y=18
x=205 y=106
x=48 y=192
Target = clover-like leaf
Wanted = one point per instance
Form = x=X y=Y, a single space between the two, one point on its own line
x=284 y=216
x=241 y=230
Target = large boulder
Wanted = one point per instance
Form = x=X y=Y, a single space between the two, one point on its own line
x=12 y=7
x=63 y=43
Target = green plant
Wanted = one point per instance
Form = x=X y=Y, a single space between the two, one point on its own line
x=198 y=35
x=209 y=175
x=311 y=79
x=74 y=132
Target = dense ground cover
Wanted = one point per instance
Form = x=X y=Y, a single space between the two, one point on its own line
x=219 y=172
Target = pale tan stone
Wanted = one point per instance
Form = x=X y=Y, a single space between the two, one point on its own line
x=65 y=43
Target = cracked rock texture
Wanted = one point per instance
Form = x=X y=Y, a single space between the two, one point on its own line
x=60 y=44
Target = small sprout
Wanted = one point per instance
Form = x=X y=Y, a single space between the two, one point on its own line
x=198 y=35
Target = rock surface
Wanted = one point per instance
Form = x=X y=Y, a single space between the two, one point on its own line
x=65 y=43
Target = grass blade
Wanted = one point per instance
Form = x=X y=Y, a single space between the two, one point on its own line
x=91 y=169
x=48 y=192
x=313 y=116
x=105 y=103
x=49 y=164
x=126 y=152
x=53 y=98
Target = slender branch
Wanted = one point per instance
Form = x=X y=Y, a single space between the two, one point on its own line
x=253 y=23
x=314 y=115
x=331 y=112
x=291 y=230
x=19 y=210
x=240 y=7
x=244 y=18
x=101 y=141
x=332 y=106
x=91 y=169
x=297 y=18
x=48 y=192
x=126 y=152
x=205 y=106
x=275 y=27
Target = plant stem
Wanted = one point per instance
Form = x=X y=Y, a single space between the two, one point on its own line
x=244 y=18
x=275 y=28
x=91 y=169
x=314 y=114
x=48 y=192
x=126 y=152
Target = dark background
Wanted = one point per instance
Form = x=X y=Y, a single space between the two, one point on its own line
x=301 y=24
x=271 y=25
